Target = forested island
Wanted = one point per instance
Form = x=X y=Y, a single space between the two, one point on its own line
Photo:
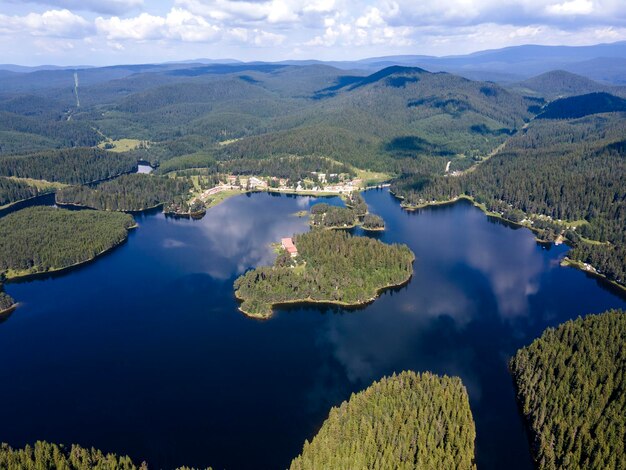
x=45 y=239
x=405 y=421
x=355 y=213
x=571 y=384
x=331 y=267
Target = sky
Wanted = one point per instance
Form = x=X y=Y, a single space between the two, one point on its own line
x=98 y=32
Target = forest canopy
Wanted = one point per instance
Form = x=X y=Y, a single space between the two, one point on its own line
x=405 y=421
x=571 y=383
x=43 y=455
x=135 y=192
x=72 y=166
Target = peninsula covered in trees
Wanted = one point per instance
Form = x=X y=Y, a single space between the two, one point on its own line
x=405 y=421
x=331 y=267
x=44 y=239
x=129 y=193
x=6 y=301
x=571 y=383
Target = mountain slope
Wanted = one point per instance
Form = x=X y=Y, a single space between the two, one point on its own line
x=559 y=83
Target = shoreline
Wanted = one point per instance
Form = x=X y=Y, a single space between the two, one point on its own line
x=8 y=311
x=377 y=229
x=566 y=262
x=84 y=206
x=35 y=275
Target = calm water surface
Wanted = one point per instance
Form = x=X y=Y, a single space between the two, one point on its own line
x=143 y=352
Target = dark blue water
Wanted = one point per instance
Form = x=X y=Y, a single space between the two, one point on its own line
x=143 y=352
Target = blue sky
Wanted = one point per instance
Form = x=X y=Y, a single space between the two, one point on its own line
x=95 y=32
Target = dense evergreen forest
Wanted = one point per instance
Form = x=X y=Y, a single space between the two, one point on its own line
x=583 y=105
x=572 y=171
x=72 y=166
x=45 y=456
x=571 y=383
x=135 y=192
x=13 y=190
x=373 y=222
x=41 y=239
x=405 y=421
x=292 y=168
x=331 y=266
x=326 y=216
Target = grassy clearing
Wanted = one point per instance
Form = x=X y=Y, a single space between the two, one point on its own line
x=41 y=185
x=121 y=145
x=371 y=178
x=222 y=196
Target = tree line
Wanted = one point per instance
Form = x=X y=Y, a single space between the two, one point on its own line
x=571 y=384
x=135 y=192
x=72 y=166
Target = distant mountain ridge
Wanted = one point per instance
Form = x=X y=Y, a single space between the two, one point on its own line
x=601 y=62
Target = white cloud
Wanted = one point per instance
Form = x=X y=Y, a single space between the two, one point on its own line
x=271 y=12
x=178 y=24
x=574 y=7
x=53 y=23
x=256 y=37
x=98 y=6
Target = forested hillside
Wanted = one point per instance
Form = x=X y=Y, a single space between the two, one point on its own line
x=405 y=421
x=583 y=105
x=331 y=266
x=572 y=171
x=571 y=383
x=559 y=84
x=136 y=192
x=42 y=239
x=72 y=166
x=13 y=190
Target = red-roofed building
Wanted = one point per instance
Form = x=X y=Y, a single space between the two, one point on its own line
x=289 y=246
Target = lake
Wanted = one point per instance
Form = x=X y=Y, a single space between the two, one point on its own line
x=143 y=352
